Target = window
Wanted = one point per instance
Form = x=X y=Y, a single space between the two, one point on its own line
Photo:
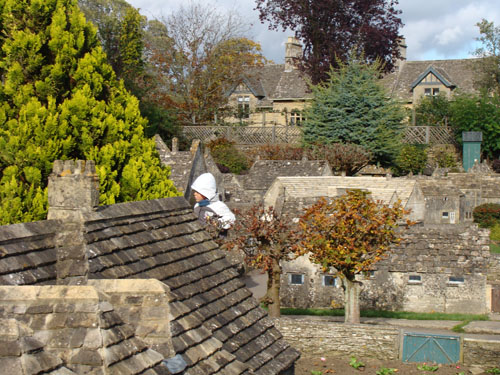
x=415 y=279
x=445 y=215
x=296 y=278
x=329 y=280
x=243 y=106
x=456 y=280
x=296 y=118
x=468 y=215
x=431 y=91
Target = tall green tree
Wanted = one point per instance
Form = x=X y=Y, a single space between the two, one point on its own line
x=353 y=107
x=489 y=51
x=349 y=234
x=60 y=99
x=478 y=113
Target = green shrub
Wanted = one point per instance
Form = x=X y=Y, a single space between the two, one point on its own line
x=342 y=157
x=227 y=156
x=487 y=215
x=411 y=159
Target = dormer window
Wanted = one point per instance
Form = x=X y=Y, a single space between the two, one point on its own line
x=431 y=92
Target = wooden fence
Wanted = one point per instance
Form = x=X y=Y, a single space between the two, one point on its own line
x=249 y=135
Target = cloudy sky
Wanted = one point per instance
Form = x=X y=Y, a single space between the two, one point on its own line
x=434 y=29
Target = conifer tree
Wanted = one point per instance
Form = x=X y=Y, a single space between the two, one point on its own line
x=353 y=107
x=60 y=99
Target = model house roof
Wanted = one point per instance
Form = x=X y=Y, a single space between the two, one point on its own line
x=216 y=326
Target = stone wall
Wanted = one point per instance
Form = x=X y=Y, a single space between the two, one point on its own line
x=319 y=336
x=448 y=265
x=76 y=324
x=322 y=338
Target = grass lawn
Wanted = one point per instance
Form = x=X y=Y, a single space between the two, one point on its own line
x=387 y=314
x=494 y=248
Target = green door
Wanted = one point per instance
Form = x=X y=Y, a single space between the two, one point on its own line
x=422 y=347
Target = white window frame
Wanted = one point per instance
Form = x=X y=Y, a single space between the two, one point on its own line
x=323 y=282
x=417 y=279
x=460 y=281
x=290 y=278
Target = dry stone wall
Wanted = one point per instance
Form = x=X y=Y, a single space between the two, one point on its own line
x=322 y=337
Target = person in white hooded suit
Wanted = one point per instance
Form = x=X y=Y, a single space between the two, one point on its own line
x=208 y=204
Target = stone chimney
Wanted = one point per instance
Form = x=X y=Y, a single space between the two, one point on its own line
x=293 y=51
x=402 y=52
x=73 y=191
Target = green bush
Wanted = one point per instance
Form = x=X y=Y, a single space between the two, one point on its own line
x=279 y=152
x=227 y=157
x=342 y=157
x=487 y=215
x=411 y=159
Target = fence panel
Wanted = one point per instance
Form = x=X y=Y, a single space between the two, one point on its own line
x=248 y=135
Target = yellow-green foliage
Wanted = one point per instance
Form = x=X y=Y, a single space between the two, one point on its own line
x=59 y=99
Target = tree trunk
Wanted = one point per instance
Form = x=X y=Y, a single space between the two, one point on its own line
x=273 y=291
x=351 y=295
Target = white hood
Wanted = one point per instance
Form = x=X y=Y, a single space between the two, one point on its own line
x=205 y=185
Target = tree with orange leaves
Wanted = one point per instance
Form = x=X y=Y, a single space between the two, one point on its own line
x=202 y=54
x=349 y=233
x=266 y=239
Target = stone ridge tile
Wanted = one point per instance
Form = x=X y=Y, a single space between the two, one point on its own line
x=281 y=362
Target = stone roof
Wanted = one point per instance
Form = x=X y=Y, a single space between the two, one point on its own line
x=435 y=187
x=216 y=325
x=386 y=190
x=459 y=73
x=272 y=82
x=263 y=172
x=440 y=252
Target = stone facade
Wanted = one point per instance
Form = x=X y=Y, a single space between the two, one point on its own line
x=188 y=312
x=440 y=268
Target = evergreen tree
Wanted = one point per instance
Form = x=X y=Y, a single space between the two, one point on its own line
x=352 y=107
x=60 y=99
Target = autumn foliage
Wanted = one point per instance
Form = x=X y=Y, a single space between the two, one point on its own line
x=266 y=239
x=350 y=234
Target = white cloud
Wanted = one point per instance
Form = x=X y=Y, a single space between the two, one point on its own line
x=434 y=29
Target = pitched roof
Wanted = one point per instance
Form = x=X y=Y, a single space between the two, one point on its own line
x=216 y=324
x=263 y=172
x=272 y=82
x=386 y=190
x=459 y=73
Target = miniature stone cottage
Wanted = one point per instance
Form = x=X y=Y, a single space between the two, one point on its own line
x=132 y=288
